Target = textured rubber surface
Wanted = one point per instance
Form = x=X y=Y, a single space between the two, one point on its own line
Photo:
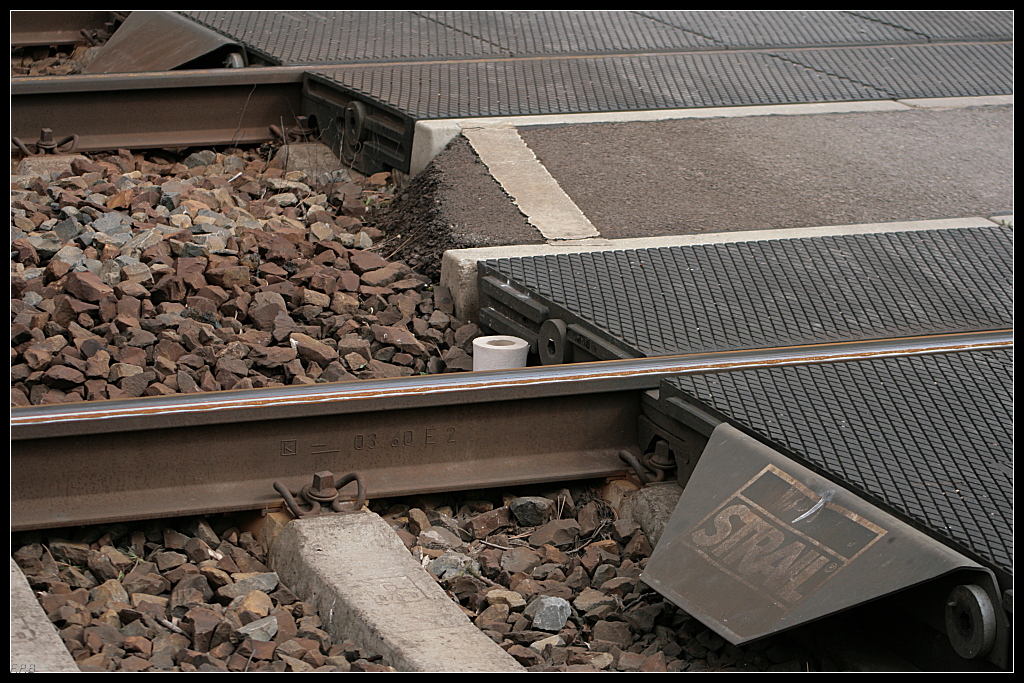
x=466 y=64
x=960 y=25
x=325 y=37
x=335 y=37
x=929 y=437
x=550 y=33
x=733 y=29
x=967 y=70
x=750 y=295
x=596 y=84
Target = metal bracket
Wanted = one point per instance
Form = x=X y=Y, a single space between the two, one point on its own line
x=652 y=466
x=322 y=493
x=46 y=144
x=301 y=132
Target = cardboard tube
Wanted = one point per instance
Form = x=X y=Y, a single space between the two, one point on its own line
x=499 y=352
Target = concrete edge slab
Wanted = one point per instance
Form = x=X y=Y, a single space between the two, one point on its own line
x=35 y=644
x=367 y=587
x=458 y=266
x=431 y=136
x=958 y=102
x=532 y=188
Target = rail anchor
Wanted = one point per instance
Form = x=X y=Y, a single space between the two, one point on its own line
x=46 y=144
x=301 y=132
x=322 y=495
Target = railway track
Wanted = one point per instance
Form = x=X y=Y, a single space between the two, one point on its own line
x=404 y=436
x=76 y=464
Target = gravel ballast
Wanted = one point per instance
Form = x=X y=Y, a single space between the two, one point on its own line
x=144 y=276
x=552 y=576
x=183 y=595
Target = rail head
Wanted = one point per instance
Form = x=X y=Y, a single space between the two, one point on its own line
x=641 y=374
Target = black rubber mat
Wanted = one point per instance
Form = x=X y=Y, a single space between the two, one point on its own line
x=329 y=37
x=766 y=294
x=929 y=438
x=963 y=70
x=467 y=64
x=733 y=29
x=549 y=33
x=595 y=84
x=957 y=25
x=639 y=82
x=336 y=37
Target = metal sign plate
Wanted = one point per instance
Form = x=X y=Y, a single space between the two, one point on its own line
x=758 y=544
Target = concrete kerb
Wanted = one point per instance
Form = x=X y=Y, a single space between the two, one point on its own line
x=35 y=644
x=368 y=588
x=459 y=271
x=431 y=136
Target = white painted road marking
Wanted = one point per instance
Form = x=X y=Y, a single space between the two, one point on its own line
x=538 y=195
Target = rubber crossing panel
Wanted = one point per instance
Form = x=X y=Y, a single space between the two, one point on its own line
x=474 y=64
x=954 y=25
x=763 y=294
x=336 y=37
x=928 y=438
x=968 y=70
x=734 y=29
x=594 y=84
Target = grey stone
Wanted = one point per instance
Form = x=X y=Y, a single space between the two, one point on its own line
x=439 y=539
x=140 y=242
x=45 y=245
x=70 y=255
x=112 y=223
x=603 y=572
x=67 y=229
x=532 y=510
x=548 y=613
x=265 y=582
x=450 y=565
x=262 y=629
x=651 y=507
x=202 y=158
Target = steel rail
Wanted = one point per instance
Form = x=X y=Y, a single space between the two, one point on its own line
x=161 y=457
x=41 y=28
x=451 y=389
x=159 y=109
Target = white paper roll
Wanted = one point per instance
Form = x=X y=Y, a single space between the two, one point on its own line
x=499 y=352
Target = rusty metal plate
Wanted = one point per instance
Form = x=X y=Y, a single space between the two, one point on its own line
x=759 y=544
x=159 y=41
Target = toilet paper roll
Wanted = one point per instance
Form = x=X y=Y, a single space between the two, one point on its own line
x=499 y=352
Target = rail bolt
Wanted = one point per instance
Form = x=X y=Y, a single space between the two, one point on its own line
x=45 y=141
x=323 y=487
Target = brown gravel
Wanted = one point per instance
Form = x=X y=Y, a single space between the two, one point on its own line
x=145 y=276
x=552 y=576
x=184 y=595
